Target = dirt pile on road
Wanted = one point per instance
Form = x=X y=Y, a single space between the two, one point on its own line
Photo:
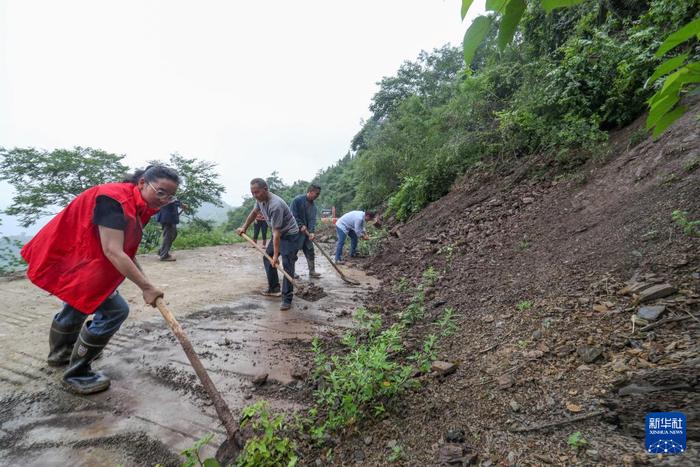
x=574 y=297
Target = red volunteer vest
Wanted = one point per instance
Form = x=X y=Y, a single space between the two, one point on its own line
x=66 y=259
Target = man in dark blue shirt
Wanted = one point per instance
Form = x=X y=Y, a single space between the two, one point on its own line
x=304 y=210
x=169 y=217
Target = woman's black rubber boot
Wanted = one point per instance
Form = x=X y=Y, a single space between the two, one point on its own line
x=79 y=376
x=61 y=342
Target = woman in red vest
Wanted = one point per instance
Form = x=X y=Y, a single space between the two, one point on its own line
x=83 y=254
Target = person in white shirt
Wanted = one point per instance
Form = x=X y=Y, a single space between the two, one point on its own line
x=351 y=224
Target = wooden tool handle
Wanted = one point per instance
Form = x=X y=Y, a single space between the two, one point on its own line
x=222 y=409
x=337 y=269
x=264 y=253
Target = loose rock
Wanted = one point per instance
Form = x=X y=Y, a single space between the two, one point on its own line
x=657 y=291
x=443 y=368
x=589 y=354
x=651 y=313
x=260 y=379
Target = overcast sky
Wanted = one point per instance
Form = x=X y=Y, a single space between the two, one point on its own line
x=253 y=86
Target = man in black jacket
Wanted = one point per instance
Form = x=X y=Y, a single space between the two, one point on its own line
x=169 y=217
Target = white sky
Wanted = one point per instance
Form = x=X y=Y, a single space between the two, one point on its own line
x=253 y=86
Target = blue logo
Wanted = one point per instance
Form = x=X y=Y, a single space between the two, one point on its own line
x=665 y=433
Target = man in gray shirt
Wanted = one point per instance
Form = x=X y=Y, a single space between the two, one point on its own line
x=286 y=239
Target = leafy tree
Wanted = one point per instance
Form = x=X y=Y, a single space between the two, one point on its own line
x=199 y=183
x=681 y=71
x=46 y=181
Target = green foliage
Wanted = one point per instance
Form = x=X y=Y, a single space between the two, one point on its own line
x=47 y=181
x=267 y=447
x=523 y=244
x=427 y=355
x=191 y=454
x=193 y=234
x=10 y=260
x=360 y=381
x=475 y=34
x=414 y=311
x=690 y=228
x=576 y=440
x=430 y=277
x=550 y=5
x=376 y=237
x=524 y=305
x=447 y=322
x=630 y=61
x=198 y=184
x=691 y=165
x=403 y=285
x=396 y=453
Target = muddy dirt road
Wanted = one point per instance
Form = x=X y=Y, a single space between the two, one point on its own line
x=156 y=407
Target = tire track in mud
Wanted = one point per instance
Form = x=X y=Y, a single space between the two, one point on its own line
x=19 y=368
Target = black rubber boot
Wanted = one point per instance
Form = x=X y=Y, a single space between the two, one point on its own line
x=79 y=376
x=61 y=342
x=312 y=270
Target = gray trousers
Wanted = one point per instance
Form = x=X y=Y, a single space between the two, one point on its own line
x=169 y=235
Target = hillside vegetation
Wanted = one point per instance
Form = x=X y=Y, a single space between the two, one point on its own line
x=568 y=79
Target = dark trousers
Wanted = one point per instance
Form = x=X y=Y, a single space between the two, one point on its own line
x=308 y=248
x=260 y=227
x=106 y=320
x=289 y=247
x=169 y=236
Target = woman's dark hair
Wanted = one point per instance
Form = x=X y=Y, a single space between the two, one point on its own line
x=371 y=214
x=153 y=173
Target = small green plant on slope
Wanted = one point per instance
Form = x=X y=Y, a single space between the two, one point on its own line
x=447 y=322
x=403 y=285
x=524 y=305
x=425 y=357
x=396 y=453
x=371 y=246
x=191 y=455
x=430 y=277
x=690 y=228
x=359 y=381
x=448 y=252
x=576 y=440
x=414 y=311
x=267 y=447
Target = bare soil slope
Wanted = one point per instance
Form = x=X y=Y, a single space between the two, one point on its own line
x=569 y=246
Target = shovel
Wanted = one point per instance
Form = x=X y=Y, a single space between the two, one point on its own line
x=340 y=273
x=230 y=448
x=308 y=292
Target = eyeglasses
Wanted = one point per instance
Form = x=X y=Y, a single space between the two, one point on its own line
x=161 y=194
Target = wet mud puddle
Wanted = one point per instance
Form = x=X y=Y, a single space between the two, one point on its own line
x=156 y=406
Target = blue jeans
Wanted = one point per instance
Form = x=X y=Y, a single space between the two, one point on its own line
x=289 y=247
x=106 y=320
x=341 y=242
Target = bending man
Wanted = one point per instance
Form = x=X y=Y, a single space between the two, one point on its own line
x=351 y=224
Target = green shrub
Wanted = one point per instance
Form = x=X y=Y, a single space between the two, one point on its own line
x=267 y=447
x=359 y=381
x=690 y=228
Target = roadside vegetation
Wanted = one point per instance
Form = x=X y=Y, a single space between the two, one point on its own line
x=567 y=79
